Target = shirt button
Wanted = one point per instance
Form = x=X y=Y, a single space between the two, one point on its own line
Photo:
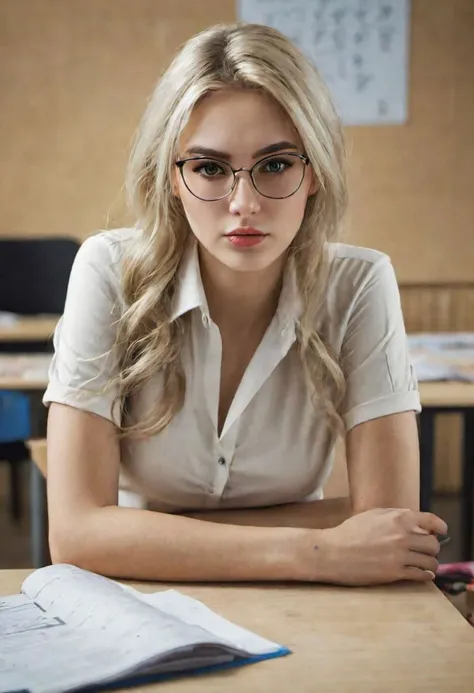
x=205 y=320
x=221 y=461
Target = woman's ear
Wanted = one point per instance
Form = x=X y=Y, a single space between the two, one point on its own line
x=314 y=185
x=174 y=182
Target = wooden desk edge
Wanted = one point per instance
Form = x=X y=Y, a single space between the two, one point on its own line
x=20 y=384
x=449 y=394
x=30 y=329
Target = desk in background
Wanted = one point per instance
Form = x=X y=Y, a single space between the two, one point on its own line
x=29 y=329
x=445 y=362
x=402 y=637
x=24 y=371
x=27 y=334
x=438 y=398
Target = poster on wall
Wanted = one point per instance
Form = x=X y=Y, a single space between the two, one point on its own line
x=360 y=47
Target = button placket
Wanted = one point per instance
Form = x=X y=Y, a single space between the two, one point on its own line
x=224 y=454
x=211 y=370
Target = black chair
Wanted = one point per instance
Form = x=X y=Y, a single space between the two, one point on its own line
x=34 y=275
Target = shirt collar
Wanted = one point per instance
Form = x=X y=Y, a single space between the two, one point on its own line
x=190 y=292
x=290 y=304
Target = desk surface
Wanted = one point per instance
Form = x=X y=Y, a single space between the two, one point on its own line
x=29 y=329
x=400 y=638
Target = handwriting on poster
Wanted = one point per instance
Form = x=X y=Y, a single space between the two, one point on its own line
x=360 y=47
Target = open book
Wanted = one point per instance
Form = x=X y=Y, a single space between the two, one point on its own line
x=70 y=629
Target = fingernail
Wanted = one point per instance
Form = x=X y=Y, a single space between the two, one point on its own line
x=431 y=573
x=443 y=538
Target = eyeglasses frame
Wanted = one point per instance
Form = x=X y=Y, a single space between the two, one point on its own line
x=181 y=162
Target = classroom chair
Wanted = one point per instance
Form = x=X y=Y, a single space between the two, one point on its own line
x=14 y=429
x=34 y=275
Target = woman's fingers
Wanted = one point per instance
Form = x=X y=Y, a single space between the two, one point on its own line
x=417 y=575
x=421 y=560
x=424 y=543
x=431 y=523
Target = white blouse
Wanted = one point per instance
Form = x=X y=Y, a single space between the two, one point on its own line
x=274 y=447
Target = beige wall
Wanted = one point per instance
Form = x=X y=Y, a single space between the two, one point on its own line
x=75 y=76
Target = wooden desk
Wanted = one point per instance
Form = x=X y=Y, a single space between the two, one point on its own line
x=29 y=329
x=436 y=398
x=400 y=638
x=447 y=394
x=24 y=371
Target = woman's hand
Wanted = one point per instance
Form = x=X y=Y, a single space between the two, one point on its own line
x=377 y=546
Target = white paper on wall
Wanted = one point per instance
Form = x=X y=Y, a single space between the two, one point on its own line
x=360 y=47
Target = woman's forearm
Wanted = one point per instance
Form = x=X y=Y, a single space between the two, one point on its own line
x=321 y=514
x=141 y=544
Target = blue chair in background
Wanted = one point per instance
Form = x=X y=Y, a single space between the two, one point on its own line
x=15 y=428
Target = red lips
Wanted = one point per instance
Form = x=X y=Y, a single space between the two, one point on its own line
x=245 y=231
x=246 y=237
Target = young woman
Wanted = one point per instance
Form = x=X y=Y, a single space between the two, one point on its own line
x=208 y=357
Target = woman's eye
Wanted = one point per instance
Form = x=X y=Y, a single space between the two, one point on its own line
x=209 y=169
x=276 y=166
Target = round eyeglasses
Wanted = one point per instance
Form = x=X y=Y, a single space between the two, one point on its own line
x=277 y=176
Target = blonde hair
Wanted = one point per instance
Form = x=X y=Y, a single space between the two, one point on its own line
x=225 y=56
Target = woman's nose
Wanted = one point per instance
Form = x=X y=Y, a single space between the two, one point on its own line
x=244 y=199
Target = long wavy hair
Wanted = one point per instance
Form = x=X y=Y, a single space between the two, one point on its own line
x=244 y=56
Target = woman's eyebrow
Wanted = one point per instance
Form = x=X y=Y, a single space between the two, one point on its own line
x=198 y=150
x=206 y=151
x=276 y=147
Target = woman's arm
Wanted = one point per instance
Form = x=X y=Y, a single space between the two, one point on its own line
x=320 y=514
x=88 y=529
x=383 y=463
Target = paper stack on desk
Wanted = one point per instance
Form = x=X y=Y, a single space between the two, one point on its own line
x=70 y=629
x=25 y=366
x=8 y=319
x=442 y=356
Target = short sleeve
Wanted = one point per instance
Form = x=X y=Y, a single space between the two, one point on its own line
x=374 y=355
x=84 y=364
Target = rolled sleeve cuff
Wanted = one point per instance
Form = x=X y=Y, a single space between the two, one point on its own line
x=384 y=406
x=86 y=401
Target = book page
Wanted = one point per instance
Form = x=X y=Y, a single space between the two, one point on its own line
x=194 y=612
x=58 y=660
x=18 y=614
x=106 y=633
x=97 y=598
